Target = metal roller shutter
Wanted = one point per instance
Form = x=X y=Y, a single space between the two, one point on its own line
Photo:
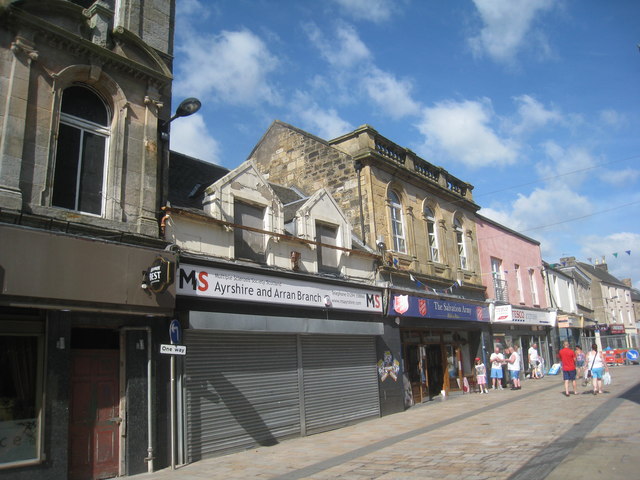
x=241 y=391
x=340 y=381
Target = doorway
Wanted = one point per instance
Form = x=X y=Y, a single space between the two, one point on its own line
x=94 y=412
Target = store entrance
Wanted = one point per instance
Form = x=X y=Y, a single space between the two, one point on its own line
x=425 y=367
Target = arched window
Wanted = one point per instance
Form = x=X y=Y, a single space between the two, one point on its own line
x=432 y=234
x=397 y=223
x=78 y=182
x=462 y=249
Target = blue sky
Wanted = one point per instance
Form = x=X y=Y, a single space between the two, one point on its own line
x=536 y=103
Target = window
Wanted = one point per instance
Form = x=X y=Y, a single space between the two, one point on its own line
x=462 y=249
x=397 y=223
x=20 y=360
x=534 y=287
x=432 y=235
x=520 y=290
x=499 y=283
x=249 y=244
x=327 y=257
x=78 y=182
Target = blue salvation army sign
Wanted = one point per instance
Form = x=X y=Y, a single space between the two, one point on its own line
x=411 y=306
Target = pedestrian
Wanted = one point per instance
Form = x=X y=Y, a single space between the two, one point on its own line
x=580 y=359
x=568 y=360
x=597 y=365
x=497 y=359
x=534 y=360
x=481 y=375
x=513 y=365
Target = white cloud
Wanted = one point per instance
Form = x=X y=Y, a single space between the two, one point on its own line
x=372 y=10
x=189 y=135
x=533 y=115
x=612 y=118
x=622 y=266
x=393 y=96
x=620 y=178
x=323 y=122
x=506 y=25
x=345 y=50
x=463 y=131
x=566 y=166
x=231 y=67
x=543 y=208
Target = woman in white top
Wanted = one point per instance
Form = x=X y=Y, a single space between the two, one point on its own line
x=597 y=365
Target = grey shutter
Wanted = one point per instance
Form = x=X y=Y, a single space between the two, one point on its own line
x=241 y=391
x=340 y=381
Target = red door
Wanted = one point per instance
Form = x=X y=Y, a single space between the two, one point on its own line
x=94 y=415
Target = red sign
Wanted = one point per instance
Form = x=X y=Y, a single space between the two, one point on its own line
x=616 y=329
x=422 y=307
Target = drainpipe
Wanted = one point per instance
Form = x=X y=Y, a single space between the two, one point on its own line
x=149 y=458
x=359 y=166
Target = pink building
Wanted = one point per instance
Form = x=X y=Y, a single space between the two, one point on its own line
x=511 y=266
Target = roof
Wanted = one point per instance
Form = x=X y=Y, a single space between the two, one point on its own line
x=601 y=274
x=188 y=179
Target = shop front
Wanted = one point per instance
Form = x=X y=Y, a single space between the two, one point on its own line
x=440 y=340
x=525 y=329
x=271 y=356
x=77 y=333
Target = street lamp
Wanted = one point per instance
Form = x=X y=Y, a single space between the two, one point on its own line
x=187 y=107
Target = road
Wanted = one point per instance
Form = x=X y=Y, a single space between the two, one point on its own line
x=533 y=433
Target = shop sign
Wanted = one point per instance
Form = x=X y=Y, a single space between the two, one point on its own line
x=216 y=283
x=411 y=306
x=509 y=314
x=159 y=275
x=616 y=329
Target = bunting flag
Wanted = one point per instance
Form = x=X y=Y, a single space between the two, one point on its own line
x=615 y=254
x=590 y=259
x=628 y=252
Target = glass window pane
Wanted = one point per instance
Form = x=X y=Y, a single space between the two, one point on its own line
x=249 y=244
x=18 y=403
x=66 y=174
x=90 y=196
x=327 y=257
x=83 y=103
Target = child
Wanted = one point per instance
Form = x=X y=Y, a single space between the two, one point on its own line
x=481 y=376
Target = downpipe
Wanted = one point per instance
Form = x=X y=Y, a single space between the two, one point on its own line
x=149 y=458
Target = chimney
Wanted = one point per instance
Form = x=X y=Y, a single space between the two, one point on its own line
x=568 y=260
x=602 y=266
x=627 y=282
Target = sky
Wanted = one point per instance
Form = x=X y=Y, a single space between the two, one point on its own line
x=534 y=102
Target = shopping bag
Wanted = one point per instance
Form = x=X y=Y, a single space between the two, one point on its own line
x=606 y=378
x=588 y=374
x=555 y=368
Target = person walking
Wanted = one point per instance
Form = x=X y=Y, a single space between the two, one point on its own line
x=513 y=366
x=580 y=359
x=481 y=375
x=596 y=363
x=568 y=360
x=533 y=360
x=497 y=359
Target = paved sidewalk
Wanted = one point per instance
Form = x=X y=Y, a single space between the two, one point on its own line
x=533 y=433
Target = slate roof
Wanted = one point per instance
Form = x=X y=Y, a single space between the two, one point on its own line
x=188 y=179
x=601 y=274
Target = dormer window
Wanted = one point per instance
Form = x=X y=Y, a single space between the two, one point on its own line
x=249 y=244
x=83 y=134
x=327 y=257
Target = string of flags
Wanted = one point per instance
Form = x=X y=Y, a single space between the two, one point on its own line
x=419 y=284
x=615 y=254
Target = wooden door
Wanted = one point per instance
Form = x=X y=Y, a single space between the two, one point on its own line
x=94 y=415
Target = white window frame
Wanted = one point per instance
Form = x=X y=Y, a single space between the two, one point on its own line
x=432 y=235
x=520 y=291
x=397 y=222
x=534 y=287
x=462 y=247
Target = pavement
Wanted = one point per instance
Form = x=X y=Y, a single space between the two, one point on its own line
x=533 y=433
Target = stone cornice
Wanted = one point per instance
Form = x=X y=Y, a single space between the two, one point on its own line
x=62 y=39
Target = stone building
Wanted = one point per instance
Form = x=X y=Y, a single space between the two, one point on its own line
x=281 y=313
x=86 y=282
x=420 y=218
